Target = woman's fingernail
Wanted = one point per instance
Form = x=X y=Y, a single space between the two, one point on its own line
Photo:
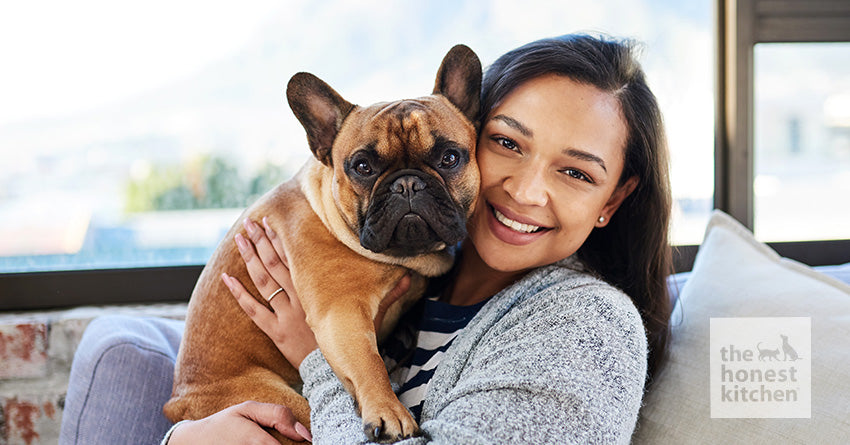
x=249 y=226
x=269 y=230
x=240 y=242
x=225 y=279
x=303 y=431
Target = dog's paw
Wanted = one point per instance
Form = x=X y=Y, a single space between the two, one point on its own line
x=393 y=425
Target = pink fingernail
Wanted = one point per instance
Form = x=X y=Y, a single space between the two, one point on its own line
x=269 y=230
x=226 y=279
x=303 y=431
x=240 y=242
x=249 y=225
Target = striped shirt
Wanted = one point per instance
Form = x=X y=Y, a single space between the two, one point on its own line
x=434 y=325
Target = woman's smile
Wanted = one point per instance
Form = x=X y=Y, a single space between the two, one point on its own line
x=513 y=229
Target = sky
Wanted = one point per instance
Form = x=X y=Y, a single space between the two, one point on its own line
x=61 y=57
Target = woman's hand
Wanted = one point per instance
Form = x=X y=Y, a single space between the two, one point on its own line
x=268 y=268
x=241 y=424
x=267 y=265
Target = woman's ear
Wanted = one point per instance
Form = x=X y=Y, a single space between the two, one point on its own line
x=620 y=194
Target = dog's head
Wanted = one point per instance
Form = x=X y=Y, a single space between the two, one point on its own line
x=404 y=173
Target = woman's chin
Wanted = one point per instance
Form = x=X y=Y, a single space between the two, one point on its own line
x=498 y=257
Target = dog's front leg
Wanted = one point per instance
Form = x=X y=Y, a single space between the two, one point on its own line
x=346 y=336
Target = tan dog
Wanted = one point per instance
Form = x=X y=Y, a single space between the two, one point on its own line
x=389 y=189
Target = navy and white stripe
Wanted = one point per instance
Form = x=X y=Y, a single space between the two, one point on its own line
x=435 y=325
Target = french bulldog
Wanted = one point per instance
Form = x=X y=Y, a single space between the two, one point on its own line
x=387 y=192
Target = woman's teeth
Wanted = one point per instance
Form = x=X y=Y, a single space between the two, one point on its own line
x=519 y=227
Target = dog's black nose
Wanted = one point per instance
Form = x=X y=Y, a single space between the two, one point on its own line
x=407 y=185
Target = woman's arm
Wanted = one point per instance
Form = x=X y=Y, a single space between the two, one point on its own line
x=565 y=365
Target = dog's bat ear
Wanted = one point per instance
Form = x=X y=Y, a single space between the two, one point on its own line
x=459 y=80
x=320 y=110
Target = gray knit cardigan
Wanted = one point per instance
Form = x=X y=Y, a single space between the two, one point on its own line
x=557 y=357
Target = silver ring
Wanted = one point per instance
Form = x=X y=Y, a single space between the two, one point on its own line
x=279 y=290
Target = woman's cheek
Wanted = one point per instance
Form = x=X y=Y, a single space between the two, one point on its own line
x=491 y=166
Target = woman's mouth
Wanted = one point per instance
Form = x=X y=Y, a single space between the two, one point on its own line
x=510 y=230
x=518 y=226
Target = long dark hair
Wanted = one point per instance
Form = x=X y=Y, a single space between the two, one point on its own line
x=632 y=252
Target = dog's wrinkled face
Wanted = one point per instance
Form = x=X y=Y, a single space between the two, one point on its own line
x=404 y=173
x=405 y=177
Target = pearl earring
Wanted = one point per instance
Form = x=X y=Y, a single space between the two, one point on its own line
x=601 y=219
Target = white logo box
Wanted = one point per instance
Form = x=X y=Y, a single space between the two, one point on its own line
x=761 y=367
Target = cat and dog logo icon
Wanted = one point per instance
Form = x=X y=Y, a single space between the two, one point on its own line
x=773 y=354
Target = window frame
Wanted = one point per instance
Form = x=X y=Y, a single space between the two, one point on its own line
x=63 y=289
x=739 y=26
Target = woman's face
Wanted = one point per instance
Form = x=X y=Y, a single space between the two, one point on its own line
x=550 y=158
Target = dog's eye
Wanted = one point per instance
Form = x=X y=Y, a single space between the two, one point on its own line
x=363 y=168
x=450 y=159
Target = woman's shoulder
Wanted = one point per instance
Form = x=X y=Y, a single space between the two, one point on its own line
x=564 y=305
x=562 y=323
x=569 y=287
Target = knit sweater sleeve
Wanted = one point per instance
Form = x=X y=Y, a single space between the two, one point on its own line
x=561 y=361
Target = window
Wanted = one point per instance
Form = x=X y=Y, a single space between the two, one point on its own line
x=802 y=141
x=751 y=36
x=132 y=135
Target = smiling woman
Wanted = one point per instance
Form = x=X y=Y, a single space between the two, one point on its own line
x=574 y=160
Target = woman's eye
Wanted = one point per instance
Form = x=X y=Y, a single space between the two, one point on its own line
x=363 y=168
x=506 y=143
x=450 y=159
x=578 y=175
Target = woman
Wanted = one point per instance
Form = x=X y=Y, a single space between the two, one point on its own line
x=558 y=301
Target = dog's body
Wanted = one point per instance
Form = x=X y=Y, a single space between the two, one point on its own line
x=390 y=187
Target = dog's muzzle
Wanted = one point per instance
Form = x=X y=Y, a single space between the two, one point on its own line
x=411 y=213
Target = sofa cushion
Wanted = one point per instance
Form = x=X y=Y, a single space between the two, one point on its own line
x=735 y=276
x=676 y=282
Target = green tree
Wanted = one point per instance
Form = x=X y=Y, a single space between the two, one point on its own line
x=206 y=182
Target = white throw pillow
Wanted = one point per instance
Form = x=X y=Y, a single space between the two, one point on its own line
x=736 y=276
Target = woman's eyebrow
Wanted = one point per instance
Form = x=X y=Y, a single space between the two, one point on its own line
x=584 y=156
x=515 y=124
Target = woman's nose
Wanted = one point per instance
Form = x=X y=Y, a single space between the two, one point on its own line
x=527 y=186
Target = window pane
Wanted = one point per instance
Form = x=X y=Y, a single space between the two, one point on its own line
x=132 y=134
x=802 y=141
